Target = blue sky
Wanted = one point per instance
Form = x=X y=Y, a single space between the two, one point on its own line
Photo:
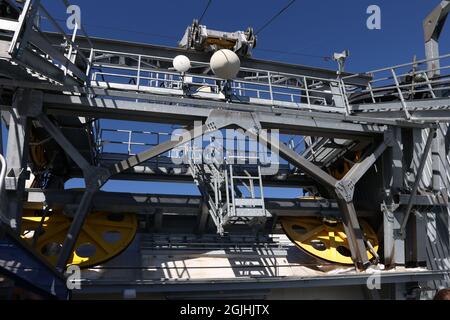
x=304 y=34
x=308 y=27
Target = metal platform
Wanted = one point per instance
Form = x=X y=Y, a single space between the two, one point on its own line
x=371 y=145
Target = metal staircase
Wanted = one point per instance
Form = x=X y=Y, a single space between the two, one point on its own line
x=28 y=46
x=234 y=194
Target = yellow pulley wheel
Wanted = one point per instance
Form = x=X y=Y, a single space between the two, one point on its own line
x=103 y=236
x=325 y=239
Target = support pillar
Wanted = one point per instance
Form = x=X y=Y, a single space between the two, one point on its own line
x=393 y=181
x=17 y=154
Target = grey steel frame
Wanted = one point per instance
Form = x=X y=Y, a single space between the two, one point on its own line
x=31 y=103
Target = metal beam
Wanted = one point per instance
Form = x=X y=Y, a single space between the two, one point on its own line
x=418 y=177
x=214 y=285
x=432 y=26
x=355 y=235
x=17 y=156
x=347 y=184
x=174 y=204
x=93 y=179
x=201 y=103
x=158 y=150
x=65 y=144
x=75 y=229
x=301 y=123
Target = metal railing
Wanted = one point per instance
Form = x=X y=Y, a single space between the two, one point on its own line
x=29 y=38
x=135 y=72
x=422 y=79
x=131 y=142
x=128 y=142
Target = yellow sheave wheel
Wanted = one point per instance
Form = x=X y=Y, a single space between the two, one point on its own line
x=325 y=240
x=104 y=235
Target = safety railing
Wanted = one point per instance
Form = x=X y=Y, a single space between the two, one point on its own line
x=423 y=79
x=29 y=40
x=228 y=151
x=135 y=72
x=129 y=143
x=2 y=172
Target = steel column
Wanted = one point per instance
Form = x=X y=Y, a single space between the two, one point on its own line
x=418 y=178
x=17 y=156
x=393 y=182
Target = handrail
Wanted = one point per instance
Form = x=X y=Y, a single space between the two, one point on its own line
x=409 y=81
x=28 y=35
x=418 y=62
x=270 y=88
x=2 y=172
x=2 y=186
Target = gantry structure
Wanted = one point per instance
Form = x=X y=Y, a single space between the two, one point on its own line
x=365 y=149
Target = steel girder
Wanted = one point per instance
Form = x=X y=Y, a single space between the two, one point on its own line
x=95 y=177
x=169 y=53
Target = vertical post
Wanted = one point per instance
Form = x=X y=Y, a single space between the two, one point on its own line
x=344 y=96
x=269 y=77
x=138 y=81
x=129 y=142
x=1 y=133
x=227 y=191
x=393 y=181
x=17 y=155
x=89 y=66
x=158 y=220
x=308 y=98
x=262 y=189
x=69 y=54
x=202 y=218
x=432 y=54
x=432 y=27
x=233 y=201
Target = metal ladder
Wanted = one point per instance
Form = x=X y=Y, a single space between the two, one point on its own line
x=245 y=196
x=233 y=195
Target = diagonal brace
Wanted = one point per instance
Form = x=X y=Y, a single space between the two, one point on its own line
x=346 y=186
x=217 y=120
x=94 y=179
x=345 y=199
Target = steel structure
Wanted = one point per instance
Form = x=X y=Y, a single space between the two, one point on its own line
x=372 y=146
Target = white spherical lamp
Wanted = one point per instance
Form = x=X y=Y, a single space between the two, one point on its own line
x=225 y=64
x=181 y=63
